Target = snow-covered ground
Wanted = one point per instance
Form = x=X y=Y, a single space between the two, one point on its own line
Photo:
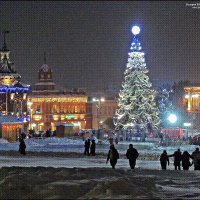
x=58 y=149
x=56 y=168
x=55 y=144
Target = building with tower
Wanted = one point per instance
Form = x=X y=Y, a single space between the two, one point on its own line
x=13 y=93
x=50 y=105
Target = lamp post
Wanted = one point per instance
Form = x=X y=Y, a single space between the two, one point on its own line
x=29 y=104
x=98 y=102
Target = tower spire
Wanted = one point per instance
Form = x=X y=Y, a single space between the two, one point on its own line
x=45 y=58
x=4 y=40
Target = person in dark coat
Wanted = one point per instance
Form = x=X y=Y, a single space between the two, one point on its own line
x=196 y=159
x=177 y=159
x=186 y=160
x=87 y=147
x=132 y=155
x=92 y=148
x=164 y=160
x=113 y=156
x=22 y=147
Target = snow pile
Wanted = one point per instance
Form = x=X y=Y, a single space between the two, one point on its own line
x=97 y=183
x=2 y=141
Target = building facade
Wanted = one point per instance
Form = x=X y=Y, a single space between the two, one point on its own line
x=101 y=112
x=192 y=99
x=13 y=93
x=50 y=106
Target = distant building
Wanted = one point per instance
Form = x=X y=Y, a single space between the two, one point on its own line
x=10 y=127
x=191 y=103
x=192 y=98
x=101 y=112
x=50 y=105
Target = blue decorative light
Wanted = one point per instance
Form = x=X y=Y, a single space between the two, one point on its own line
x=135 y=30
x=13 y=89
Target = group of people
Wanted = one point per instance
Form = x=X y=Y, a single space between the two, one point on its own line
x=131 y=155
x=90 y=147
x=181 y=158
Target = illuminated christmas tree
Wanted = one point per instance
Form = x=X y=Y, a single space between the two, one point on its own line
x=136 y=104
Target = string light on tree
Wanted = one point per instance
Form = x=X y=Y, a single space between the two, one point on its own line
x=136 y=102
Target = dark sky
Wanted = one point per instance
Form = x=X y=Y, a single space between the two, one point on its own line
x=87 y=42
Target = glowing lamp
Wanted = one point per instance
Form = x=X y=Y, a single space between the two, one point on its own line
x=187 y=124
x=186 y=96
x=55 y=117
x=102 y=99
x=172 y=118
x=135 y=30
x=33 y=125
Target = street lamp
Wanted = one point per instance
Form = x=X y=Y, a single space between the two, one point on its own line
x=187 y=125
x=98 y=102
x=172 y=118
x=29 y=104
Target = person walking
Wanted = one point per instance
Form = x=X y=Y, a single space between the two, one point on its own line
x=177 y=159
x=186 y=160
x=196 y=159
x=22 y=147
x=87 y=147
x=92 y=148
x=164 y=160
x=132 y=155
x=113 y=156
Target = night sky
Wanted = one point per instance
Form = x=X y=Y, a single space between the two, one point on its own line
x=87 y=42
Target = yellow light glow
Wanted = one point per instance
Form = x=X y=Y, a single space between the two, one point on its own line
x=102 y=99
x=195 y=95
x=12 y=96
x=58 y=99
x=7 y=80
x=55 y=117
x=29 y=103
x=62 y=117
x=82 y=116
x=24 y=96
x=37 y=117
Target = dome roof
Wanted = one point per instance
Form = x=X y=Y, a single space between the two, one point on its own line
x=45 y=68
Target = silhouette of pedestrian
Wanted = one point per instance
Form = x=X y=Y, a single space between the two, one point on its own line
x=177 y=159
x=132 y=155
x=87 y=147
x=196 y=159
x=186 y=160
x=113 y=156
x=92 y=148
x=22 y=146
x=164 y=160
